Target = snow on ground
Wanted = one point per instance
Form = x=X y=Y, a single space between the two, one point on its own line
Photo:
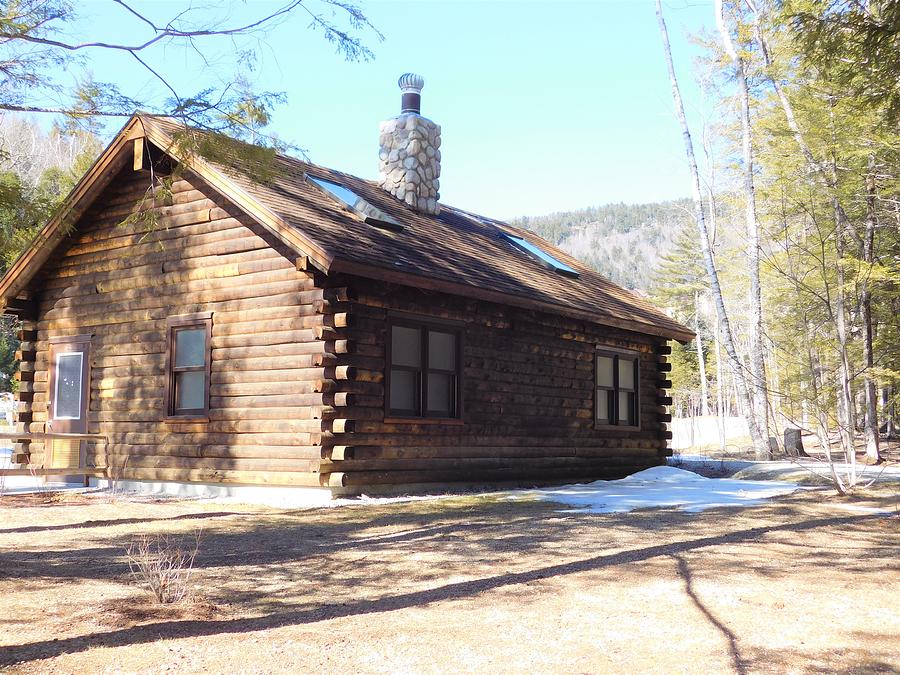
x=660 y=486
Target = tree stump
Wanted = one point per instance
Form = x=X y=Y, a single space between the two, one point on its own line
x=793 y=443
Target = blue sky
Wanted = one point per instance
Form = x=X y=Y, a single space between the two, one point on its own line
x=544 y=106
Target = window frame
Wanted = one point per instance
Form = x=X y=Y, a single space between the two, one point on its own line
x=421 y=414
x=615 y=390
x=173 y=325
x=539 y=255
x=55 y=365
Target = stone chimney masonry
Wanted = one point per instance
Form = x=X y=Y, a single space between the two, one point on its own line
x=410 y=159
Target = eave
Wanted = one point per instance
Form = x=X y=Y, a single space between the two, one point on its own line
x=429 y=283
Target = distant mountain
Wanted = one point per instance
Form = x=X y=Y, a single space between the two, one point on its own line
x=621 y=241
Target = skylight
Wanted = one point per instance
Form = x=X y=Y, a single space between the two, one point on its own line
x=365 y=210
x=541 y=255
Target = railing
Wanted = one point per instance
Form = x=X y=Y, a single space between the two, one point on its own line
x=54 y=471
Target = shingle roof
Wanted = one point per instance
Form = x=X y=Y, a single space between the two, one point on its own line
x=454 y=246
x=466 y=252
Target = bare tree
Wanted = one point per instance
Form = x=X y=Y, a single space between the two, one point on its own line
x=826 y=172
x=871 y=424
x=757 y=352
x=34 y=44
x=701 y=360
x=727 y=338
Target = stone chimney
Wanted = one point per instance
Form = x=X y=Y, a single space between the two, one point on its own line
x=410 y=158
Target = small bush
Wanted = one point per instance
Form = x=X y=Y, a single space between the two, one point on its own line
x=161 y=566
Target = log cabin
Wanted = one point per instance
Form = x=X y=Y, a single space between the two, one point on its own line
x=188 y=324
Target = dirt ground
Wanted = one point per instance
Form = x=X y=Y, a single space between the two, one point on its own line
x=805 y=583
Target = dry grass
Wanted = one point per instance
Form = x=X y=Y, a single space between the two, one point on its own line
x=806 y=583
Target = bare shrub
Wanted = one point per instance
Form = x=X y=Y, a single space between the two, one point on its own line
x=161 y=566
x=114 y=474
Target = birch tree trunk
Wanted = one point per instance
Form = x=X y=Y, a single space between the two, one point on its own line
x=720 y=389
x=757 y=353
x=712 y=273
x=871 y=425
x=701 y=360
x=828 y=175
x=847 y=405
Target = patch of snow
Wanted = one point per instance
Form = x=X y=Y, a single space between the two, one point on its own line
x=366 y=500
x=661 y=486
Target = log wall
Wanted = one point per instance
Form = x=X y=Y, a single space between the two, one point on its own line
x=121 y=283
x=527 y=391
x=298 y=364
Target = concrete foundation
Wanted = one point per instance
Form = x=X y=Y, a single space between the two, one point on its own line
x=268 y=495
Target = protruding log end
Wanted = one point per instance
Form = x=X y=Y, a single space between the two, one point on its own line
x=334 y=480
x=342 y=426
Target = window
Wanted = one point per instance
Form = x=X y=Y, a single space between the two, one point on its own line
x=540 y=255
x=424 y=373
x=68 y=386
x=370 y=213
x=188 y=365
x=616 y=389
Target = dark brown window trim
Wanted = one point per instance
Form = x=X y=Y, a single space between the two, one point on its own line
x=614 y=354
x=85 y=352
x=439 y=322
x=423 y=324
x=173 y=323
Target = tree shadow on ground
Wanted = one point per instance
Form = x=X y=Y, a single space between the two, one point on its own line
x=462 y=532
x=116 y=522
x=229 y=551
x=738 y=661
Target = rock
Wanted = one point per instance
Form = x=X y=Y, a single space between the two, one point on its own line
x=410 y=199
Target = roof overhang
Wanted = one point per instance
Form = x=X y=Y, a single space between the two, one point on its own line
x=310 y=256
x=429 y=283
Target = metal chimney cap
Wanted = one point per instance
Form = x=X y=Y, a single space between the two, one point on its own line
x=410 y=83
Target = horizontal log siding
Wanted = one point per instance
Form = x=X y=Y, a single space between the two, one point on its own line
x=120 y=283
x=23 y=452
x=528 y=399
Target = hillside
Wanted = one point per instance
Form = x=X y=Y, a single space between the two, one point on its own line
x=621 y=241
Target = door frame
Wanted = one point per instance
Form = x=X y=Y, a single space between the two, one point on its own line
x=67 y=345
